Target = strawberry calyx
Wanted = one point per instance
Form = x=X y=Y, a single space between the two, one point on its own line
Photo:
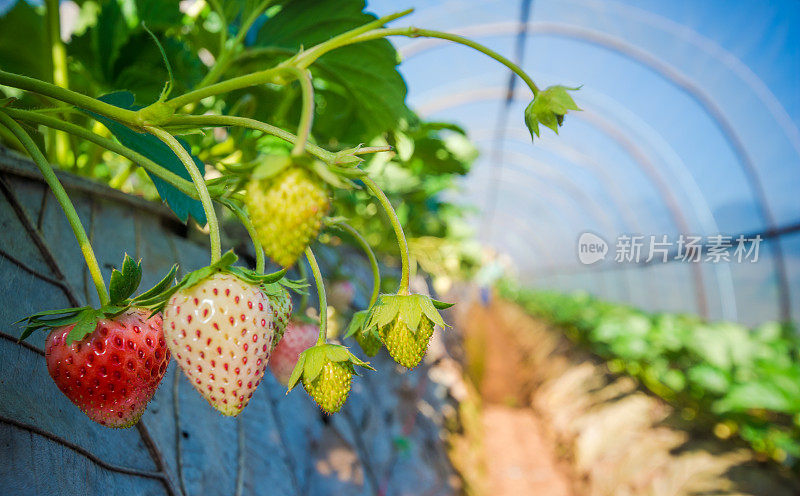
x=310 y=362
x=123 y=284
x=549 y=107
x=157 y=300
x=404 y=323
x=337 y=174
x=357 y=322
x=410 y=308
x=367 y=339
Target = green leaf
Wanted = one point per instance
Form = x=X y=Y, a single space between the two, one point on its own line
x=548 y=108
x=271 y=166
x=159 y=15
x=356 y=323
x=110 y=34
x=429 y=309
x=23 y=44
x=324 y=173
x=441 y=305
x=709 y=378
x=124 y=283
x=47 y=313
x=154 y=149
x=363 y=91
x=84 y=326
x=296 y=372
x=252 y=277
x=411 y=311
x=337 y=353
x=315 y=360
x=299 y=286
x=161 y=286
x=743 y=397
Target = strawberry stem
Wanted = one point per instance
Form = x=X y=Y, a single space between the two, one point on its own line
x=231 y=120
x=301 y=268
x=323 y=303
x=307 y=111
x=68 y=96
x=241 y=214
x=63 y=199
x=373 y=262
x=60 y=72
x=304 y=59
x=398 y=231
x=272 y=75
x=228 y=50
x=199 y=183
x=343 y=39
x=180 y=183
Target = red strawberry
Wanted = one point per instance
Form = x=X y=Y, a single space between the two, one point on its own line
x=219 y=332
x=297 y=338
x=111 y=373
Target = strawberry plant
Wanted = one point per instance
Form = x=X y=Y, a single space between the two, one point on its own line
x=196 y=107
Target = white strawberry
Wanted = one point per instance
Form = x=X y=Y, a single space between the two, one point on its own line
x=219 y=333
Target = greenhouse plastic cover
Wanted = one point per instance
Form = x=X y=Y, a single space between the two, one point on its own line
x=689 y=127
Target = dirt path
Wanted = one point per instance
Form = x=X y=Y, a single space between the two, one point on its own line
x=520 y=461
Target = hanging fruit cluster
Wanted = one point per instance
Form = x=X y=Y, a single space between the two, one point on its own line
x=225 y=324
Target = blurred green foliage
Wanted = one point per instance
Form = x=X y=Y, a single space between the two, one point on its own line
x=738 y=381
x=359 y=98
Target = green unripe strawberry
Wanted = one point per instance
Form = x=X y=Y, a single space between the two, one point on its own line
x=367 y=340
x=326 y=371
x=405 y=345
x=287 y=211
x=332 y=386
x=405 y=324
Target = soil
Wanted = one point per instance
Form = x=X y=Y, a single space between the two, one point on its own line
x=520 y=459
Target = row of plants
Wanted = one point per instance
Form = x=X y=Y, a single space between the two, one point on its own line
x=737 y=381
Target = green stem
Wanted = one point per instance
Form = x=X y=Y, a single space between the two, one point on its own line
x=323 y=303
x=344 y=39
x=228 y=50
x=118 y=181
x=230 y=120
x=306 y=58
x=398 y=232
x=244 y=218
x=199 y=183
x=306 y=113
x=66 y=204
x=58 y=56
x=180 y=183
x=223 y=33
x=301 y=268
x=262 y=77
x=373 y=262
x=68 y=96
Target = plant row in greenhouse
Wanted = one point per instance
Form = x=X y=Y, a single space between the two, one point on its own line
x=738 y=381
